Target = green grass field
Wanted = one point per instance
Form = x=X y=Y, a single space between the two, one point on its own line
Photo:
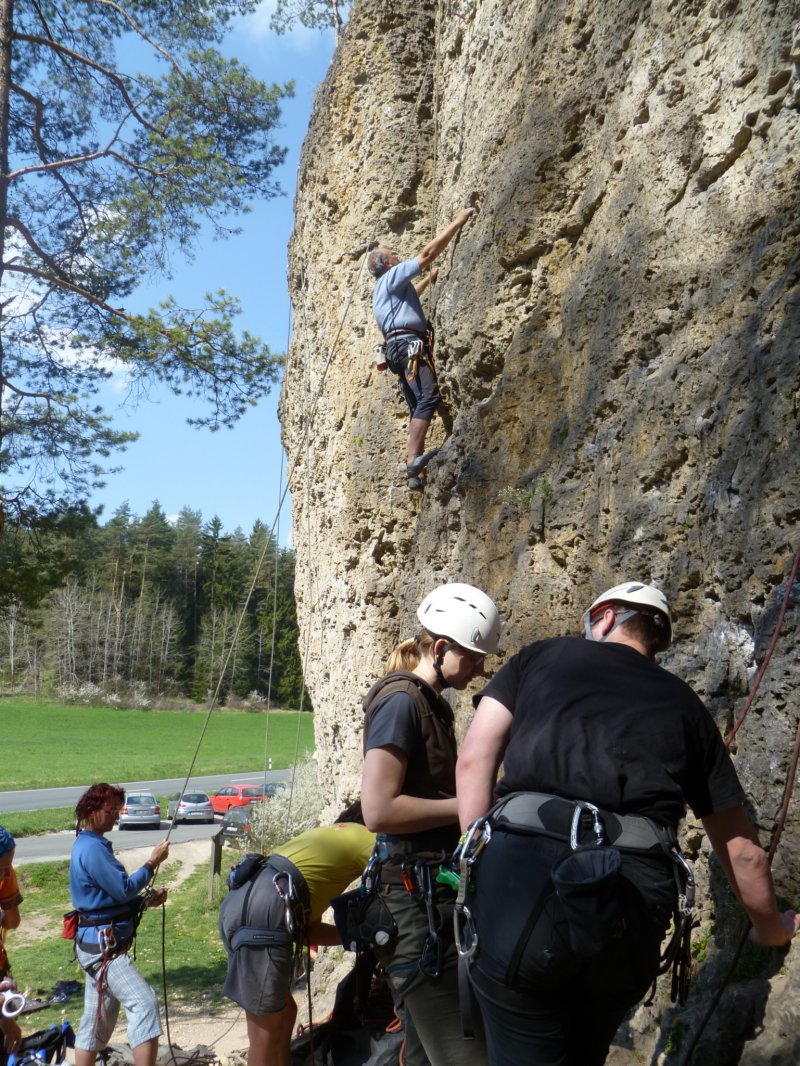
x=49 y=744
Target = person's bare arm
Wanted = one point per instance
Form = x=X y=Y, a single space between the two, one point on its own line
x=438 y=244
x=320 y=932
x=735 y=842
x=480 y=758
x=12 y=1034
x=386 y=809
x=422 y=283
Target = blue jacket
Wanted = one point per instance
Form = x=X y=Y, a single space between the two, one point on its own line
x=99 y=884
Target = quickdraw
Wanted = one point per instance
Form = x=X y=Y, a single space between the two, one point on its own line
x=472 y=844
x=417 y=352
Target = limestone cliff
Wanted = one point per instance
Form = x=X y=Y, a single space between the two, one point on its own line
x=617 y=341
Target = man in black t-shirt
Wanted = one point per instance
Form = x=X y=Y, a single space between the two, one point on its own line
x=595 y=721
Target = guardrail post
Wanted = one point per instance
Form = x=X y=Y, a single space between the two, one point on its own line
x=215 y=866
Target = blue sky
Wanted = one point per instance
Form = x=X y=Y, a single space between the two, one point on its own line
x=234 y=474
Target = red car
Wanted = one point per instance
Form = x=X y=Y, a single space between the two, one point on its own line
x=235 y=796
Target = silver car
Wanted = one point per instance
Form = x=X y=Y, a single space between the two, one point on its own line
x=140 y=809
x=194 y=807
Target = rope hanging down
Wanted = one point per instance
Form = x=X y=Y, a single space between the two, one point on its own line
x=303 y=444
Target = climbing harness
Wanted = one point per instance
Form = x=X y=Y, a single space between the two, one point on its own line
x=290 y=888
x=585 y=879
x=45 y=1046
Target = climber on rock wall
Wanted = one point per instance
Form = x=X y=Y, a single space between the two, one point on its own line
x=409 y=351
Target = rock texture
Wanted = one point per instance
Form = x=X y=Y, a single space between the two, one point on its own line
x=618 y=347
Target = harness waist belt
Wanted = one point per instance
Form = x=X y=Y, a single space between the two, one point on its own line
x=251 y=936
x=553 y=816
x=405 y=329
x=92 y=947
x=85 y=920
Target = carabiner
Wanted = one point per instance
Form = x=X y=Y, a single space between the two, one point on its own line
x=597 y=824
x=463 y=913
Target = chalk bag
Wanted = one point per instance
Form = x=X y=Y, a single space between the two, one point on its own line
x=589 y=886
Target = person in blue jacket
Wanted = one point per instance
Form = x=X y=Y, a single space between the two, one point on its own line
x=109 y=903
x=401 y=320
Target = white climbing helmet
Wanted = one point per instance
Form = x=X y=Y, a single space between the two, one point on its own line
x=643 y=599
x=464 y=614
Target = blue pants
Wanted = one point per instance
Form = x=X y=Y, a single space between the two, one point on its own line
x=421 y=392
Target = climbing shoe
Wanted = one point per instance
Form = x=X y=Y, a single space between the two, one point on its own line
x=419 y=462
x=416 y=484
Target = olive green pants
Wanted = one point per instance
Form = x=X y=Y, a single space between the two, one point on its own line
x=435 y=1035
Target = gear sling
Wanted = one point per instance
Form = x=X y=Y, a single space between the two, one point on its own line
x=584 y=904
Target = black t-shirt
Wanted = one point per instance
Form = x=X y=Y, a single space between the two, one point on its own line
x=601 y=722
x=395 y=722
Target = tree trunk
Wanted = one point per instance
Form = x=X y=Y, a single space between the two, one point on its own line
x=6 y=29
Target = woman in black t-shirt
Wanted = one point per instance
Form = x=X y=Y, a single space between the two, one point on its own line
x=408 y=798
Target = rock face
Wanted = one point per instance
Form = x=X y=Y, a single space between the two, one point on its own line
x=617 y=336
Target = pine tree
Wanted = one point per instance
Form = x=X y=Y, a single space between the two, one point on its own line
x=105 y=170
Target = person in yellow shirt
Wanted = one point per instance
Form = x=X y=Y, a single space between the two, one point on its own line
x=299 y=882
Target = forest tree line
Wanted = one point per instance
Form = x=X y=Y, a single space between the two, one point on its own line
x=142 y=608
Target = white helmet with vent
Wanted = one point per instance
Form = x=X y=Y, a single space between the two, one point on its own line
x=643 y=599
x=464 y=614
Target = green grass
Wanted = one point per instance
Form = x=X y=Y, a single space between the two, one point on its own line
x=195 y=958
x=50 y=745
x=34 y=823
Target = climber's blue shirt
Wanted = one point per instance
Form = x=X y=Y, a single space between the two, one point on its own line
x=395 y=299
x=99 y=883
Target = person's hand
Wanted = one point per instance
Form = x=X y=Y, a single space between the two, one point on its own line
x=157 y=897
x=159 y=853
x=8 y=984
x=790 y=921
x=467 y=214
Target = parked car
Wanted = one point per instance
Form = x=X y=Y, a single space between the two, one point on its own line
x=274 y=788
x=194 y=807
x=235 y=796
x=237 y=823
x=140 y=809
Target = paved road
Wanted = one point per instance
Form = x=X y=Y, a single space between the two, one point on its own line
x=39 y=799
x=54 y=846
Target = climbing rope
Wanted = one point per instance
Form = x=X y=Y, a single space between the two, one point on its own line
x=303 y=444
x=770 y=650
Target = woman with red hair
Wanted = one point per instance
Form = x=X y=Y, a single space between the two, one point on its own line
x=109 y=905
